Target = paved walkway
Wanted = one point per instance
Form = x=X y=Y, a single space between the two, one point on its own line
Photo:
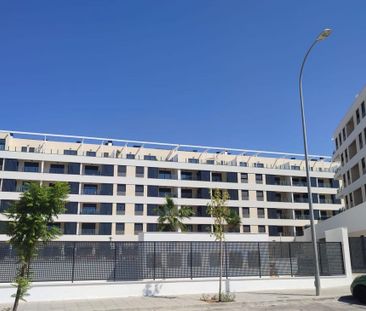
x=331 y=299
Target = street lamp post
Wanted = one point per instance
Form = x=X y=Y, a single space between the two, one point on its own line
x=323 y=35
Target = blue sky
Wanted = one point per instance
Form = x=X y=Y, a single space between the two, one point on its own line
x=220 y=73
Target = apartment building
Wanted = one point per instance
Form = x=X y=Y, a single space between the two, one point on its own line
x=350 y=152
x=116 y=185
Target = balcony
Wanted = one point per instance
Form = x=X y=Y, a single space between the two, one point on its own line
x=88 y=231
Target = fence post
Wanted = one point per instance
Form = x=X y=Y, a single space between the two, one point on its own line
x=363 y=248
x=191 y=261
x=73 y=262
x=289 y=254
x=115 y=261
x=320 y=258
x=259 y=262
x=225 y=256
x=154 y=261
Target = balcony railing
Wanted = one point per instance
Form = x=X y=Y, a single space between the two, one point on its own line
x=88 y=231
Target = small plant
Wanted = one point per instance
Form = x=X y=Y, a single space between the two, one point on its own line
x=225 y=297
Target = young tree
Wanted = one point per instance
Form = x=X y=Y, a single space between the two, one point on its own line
x=222 y=215
x=171 y=217
x=30 y=222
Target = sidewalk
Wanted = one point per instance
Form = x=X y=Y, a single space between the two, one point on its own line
x=279 y=300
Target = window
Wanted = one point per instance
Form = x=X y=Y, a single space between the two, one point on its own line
x=259 y=165
x=90 y=189
x=260 y=196
x=139 y=209
x=150 y=157
x=32 y=149
x=210 y=161
x=216 y=177
x=57 y=168
x=163 y=174
x=360 y=140
x=120 y=228
x=259 y=178
x=357 y=116
x=246 y=229
x=244 y=177
x=121 y=208
x=71 y=208
x=152 y=228
x=336 y=143
x=244 y=164
x=245 y=195
x=363 y=111
x=121 y=170
x=260 y=212
x=24 y=149
x=186 y=175
x=89 y=209
x=73 y=168
x=139 y=190
x=91 y=154
x=121 y=189
x=138 y=228
x=31 y=167
x=152 y=210
x=261 y=229
x=70 y=152
x=2 y=144
x=91 y=170
x=140 y=170
x=246 y=213
x=344 y=134
x=192 y=160
x=130 y=156
x=105 y=154
x=295 y=167
x=363 y=165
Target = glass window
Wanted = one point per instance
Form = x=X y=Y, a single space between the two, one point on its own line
x=121 y=208
x=120 y=228
x=31 y=167
x=244 y=177
x=152 y=227
x=57 y=168
x=91 y=170
x=244 y=164
x=360 y=140
x=260 y=165
x=121 y=170
x=91 y=154
x=192 y=160
x=261 y=229
x=357 y=116
x=32 y=149
x=246 y=228
x=130 y=156
x=210 y=161
x=70 y=152
x=139 y=227
x=139 y=190
x=139 y=209
x=246 y=212
x=260 y=196
x=2 y=144
x=150 y=157
x=71 y=208
x=259 y=178
x=245 y=195
x=140 y=170
x=24 y=149
x=121 y=189
x=152 y=210
x=363 y=111
x=73 y=168
x=260 y=212
x=90 y=189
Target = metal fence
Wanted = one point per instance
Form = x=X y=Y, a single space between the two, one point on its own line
x=357 y=248
x=116 y=261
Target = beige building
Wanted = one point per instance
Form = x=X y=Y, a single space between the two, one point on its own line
x=350 y=152
x=117 y=184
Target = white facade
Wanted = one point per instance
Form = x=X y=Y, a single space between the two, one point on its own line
x=117 y=184
x=350 y=152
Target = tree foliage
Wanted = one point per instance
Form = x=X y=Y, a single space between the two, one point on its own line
x=30 y=222
x=171 y=217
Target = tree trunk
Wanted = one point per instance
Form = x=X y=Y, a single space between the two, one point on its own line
x=221 y=268
x=22 y=273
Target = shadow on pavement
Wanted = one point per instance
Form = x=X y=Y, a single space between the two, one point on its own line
x=350 y=300
x=279 y=294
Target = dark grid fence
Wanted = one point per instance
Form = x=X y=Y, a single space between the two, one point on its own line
x=116 y=261
x=357 y=248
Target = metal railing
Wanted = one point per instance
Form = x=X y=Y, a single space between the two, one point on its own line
x=116 y=261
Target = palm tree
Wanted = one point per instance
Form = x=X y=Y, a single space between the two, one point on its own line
x=170 y=216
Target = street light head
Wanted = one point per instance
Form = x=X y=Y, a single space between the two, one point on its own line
x=324 y=34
